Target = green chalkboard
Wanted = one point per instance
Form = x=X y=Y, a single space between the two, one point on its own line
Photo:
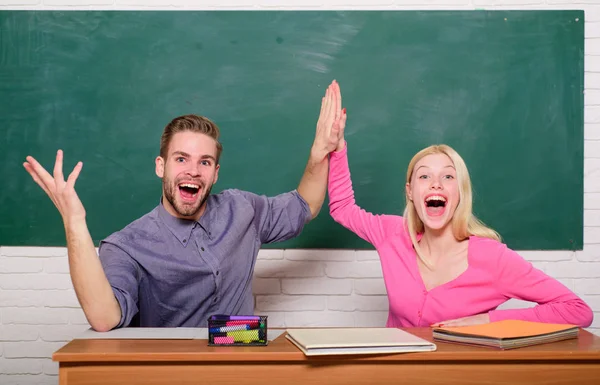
x=505 y=88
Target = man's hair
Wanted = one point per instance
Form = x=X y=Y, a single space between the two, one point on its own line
x=193 y=123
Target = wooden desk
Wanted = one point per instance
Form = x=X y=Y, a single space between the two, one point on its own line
x=151 y=362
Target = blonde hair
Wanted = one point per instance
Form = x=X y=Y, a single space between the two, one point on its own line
x=464 y=222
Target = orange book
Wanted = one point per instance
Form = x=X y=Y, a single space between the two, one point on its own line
x=508 y=334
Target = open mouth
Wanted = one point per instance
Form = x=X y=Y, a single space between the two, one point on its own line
x=435 y=205
x=189 y=191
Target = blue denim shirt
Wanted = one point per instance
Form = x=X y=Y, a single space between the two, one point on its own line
x=171 y=272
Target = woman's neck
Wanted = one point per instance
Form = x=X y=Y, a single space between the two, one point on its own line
x=439 y=244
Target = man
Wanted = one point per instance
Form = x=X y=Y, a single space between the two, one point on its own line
x=194 y=254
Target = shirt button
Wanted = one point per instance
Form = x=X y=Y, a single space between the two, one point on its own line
x=217 y=272
x=184 y=241
x=202 y=248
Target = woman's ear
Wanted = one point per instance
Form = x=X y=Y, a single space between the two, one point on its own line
x=408 y=192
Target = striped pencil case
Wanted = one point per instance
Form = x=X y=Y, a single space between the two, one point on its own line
x=237 y=330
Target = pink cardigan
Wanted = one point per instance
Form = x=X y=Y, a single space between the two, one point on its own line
x=495 y=272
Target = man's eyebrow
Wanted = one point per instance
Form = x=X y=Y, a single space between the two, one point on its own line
x=181 y=153
x=185 y=154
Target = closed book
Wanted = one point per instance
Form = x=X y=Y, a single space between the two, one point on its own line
x=330 y=341
x=508 y=334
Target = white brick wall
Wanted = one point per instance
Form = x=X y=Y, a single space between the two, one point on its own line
x=38 y=308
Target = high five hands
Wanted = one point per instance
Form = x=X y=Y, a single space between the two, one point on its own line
x=331 y=123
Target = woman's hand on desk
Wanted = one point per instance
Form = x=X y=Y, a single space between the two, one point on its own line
x=61 y=192
x=465 y=321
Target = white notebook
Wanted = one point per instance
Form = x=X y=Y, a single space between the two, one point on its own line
x=327 y=341
x=137 y=333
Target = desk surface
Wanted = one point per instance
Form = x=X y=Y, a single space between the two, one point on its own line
x=188 y=362
x=586 y=348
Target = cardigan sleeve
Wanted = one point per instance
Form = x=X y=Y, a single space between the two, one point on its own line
x=519 y=279
x=344 y=210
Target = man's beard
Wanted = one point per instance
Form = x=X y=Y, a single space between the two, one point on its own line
x=171 y=189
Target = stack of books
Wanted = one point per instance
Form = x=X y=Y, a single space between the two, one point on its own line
x=507 y=334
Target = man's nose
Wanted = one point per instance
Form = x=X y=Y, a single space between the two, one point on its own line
x=193 y=170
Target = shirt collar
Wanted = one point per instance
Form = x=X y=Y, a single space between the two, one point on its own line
x=210 y=216
x=182 y=228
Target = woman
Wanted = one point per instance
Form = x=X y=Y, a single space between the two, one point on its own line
x=441 y=265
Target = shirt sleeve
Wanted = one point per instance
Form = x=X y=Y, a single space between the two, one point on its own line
x=280 y=217
x=343 y=208
x=519 y=279
x=123 y=275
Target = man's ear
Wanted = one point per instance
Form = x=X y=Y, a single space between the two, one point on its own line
x=160 y=166
x=217 y=173
x=408 y=192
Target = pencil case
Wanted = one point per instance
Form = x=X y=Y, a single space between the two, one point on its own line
x=237 y=330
